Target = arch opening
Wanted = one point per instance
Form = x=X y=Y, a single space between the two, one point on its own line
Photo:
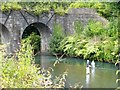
x=32 y=34
x=40 y=33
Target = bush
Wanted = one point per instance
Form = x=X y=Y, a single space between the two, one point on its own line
x=56 y=38
x=19 y=71
x=94 y=28
x=95 y=42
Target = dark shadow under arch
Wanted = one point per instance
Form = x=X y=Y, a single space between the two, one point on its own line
x=29 y=30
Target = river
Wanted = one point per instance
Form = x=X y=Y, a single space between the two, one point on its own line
x=102 y=76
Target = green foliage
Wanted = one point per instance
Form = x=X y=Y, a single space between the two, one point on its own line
x=95 y=42
x=67 y=45
x=94 y=29
x=113 y=28
x=34 y=40
x=80 y=4
x=10 y=6
x=56 y=38
x=45 y=7
x=37 y=7
x=73 y=45
x=19 y=71
x=105 y=9
x=41 y=8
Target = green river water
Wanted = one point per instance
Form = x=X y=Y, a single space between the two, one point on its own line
x=102 y=76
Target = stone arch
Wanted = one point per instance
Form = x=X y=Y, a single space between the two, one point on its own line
x=5 y=34
x=44 y=32
x=5 y=37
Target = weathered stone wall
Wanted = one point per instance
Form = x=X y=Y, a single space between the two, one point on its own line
x=82 y=14
x=17 y=21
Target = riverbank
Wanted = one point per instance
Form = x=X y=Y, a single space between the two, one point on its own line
x=94 y=42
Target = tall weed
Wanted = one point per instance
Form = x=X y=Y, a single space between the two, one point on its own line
x=19 y=71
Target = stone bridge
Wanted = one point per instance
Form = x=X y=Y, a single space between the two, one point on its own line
x=14 y=23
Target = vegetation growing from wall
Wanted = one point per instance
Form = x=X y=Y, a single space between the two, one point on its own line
x=105 y=9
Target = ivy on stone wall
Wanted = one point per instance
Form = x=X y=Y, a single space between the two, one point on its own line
x=103 y=8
